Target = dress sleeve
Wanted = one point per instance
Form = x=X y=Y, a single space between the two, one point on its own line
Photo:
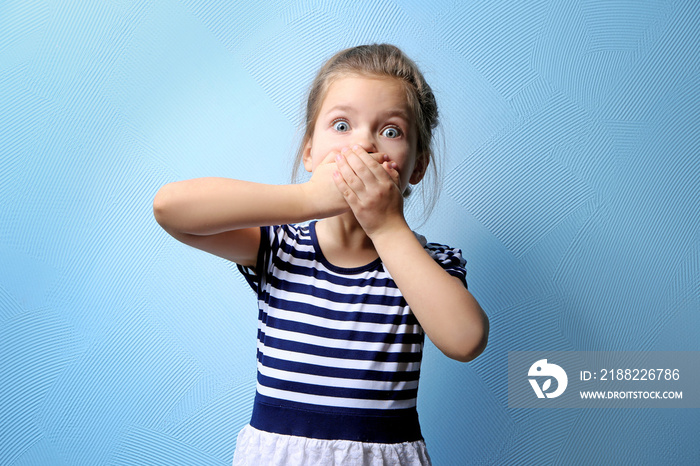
x=254 y=275
x=449 y=258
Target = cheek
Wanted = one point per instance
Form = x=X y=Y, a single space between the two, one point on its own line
x=405 y=179
x=406 y=170
x=318 y=159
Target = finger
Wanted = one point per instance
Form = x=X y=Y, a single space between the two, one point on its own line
x=377 y=157
x=330 y=158
x=391 y=169
x=345 y=190
x=382 y=160
x=360 y=163
x=348 y=172
x=370 y=161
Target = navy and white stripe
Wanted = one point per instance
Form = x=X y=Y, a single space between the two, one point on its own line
x=339 y=350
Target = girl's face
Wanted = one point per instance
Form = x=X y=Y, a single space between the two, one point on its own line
x=373 y=113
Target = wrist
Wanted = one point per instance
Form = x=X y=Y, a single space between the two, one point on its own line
x=391 y=233
x=308 y=199
x=317 y=203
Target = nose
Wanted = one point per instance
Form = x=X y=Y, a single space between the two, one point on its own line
x=366 y=140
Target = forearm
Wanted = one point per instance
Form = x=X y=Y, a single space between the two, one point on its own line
x=206 y=206
x=447 y=311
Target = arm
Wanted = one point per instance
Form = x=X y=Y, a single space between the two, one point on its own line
x=222 y=216
x=446 y=310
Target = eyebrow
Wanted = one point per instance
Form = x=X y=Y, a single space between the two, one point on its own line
x=388 y=114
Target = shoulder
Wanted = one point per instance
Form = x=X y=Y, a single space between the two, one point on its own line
x=442 y=253
x=448 y=257
x=277 y=235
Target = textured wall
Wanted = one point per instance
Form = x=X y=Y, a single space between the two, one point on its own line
x=571 y=181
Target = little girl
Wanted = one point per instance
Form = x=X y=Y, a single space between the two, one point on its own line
x=345 y=301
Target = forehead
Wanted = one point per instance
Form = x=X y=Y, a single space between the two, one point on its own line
x=367 y=93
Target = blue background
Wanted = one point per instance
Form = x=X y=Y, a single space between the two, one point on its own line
x=571 y=181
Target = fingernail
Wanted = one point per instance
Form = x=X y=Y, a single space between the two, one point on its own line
x=355 y=147
x=344 y=150
x=339 y=157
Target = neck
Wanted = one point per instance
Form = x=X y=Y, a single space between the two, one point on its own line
x=346 y=231
x=344 y=242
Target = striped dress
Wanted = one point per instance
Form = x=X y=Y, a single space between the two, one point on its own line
x=339 y=350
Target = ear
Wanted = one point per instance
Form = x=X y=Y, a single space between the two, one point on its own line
x=418 y=173
x=306 y=157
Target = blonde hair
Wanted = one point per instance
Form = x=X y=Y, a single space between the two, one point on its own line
x=379 y=60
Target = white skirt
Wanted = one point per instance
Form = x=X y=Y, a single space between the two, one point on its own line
x=259 y=448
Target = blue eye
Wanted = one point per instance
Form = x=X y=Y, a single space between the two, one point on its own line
x=391 y=132
x=341 y=126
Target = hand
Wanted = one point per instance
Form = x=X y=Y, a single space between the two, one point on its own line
x=370 y=188
x=321 y=192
